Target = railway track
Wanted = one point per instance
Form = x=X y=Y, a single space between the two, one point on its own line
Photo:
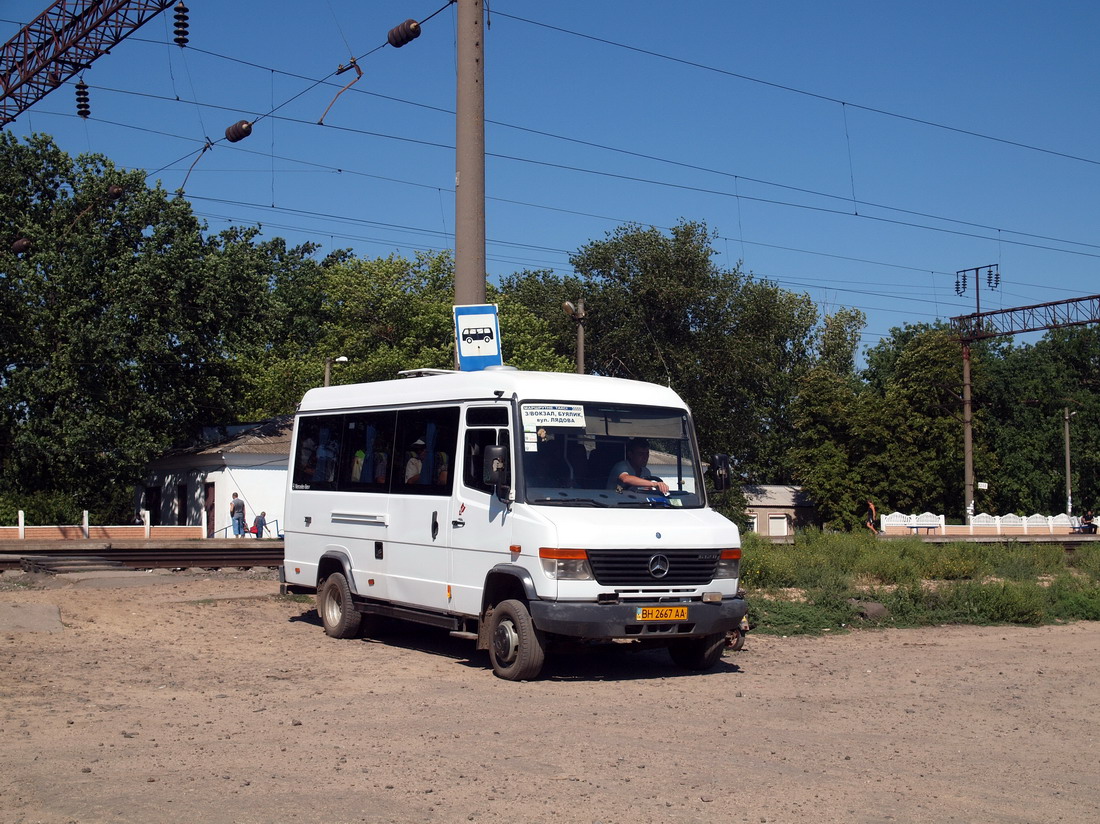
x=87 y=556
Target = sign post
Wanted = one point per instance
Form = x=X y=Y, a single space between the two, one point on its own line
x=477 y=337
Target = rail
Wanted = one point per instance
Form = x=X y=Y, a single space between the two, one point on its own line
x=204 y=554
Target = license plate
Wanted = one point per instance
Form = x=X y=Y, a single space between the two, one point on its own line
x=661 y=614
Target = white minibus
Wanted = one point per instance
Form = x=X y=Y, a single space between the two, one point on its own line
x=516 y=509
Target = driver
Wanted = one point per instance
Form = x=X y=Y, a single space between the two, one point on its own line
x=633 y=472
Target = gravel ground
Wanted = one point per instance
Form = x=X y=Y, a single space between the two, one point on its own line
x=190 y=696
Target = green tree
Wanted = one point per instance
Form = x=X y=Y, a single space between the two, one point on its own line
x=1031 y=388
x=117 y=325
x=733 y=346
x=391 y=313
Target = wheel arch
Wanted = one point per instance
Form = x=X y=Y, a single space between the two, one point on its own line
x=506 y=581
x=503 y=582
x=335 y=560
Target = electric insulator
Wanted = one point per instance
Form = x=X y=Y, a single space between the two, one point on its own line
x=238 y=131
x=958 y=288
x=404 y=33
x=181 y=25
x=21 y=246
x=82 y=107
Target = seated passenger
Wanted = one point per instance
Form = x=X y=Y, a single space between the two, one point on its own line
x=633 y=472
x=414 y=464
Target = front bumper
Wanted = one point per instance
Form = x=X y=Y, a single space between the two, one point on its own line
x=588 y=621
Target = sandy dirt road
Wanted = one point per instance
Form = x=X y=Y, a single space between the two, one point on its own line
x=189 y=697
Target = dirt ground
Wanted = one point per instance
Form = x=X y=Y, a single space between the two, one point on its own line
x=185 y=697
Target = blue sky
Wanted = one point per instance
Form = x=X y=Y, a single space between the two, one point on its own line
x=860 y=152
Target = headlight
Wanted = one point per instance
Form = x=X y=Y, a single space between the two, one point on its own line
x=729 y=565
x=565 y=564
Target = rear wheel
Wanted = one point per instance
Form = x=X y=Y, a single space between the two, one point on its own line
x=338 y=614
x=698 y=653
x=516 y=649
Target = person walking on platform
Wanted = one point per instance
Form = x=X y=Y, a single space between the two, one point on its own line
x=236 y=515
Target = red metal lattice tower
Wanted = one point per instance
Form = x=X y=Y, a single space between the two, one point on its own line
x=63 y=40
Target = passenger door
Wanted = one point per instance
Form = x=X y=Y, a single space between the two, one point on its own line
x=481 y=523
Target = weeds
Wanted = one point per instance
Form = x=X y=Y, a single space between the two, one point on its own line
x=812 y=586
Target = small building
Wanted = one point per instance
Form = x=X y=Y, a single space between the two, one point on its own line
x=777 y=510
x=194 y=485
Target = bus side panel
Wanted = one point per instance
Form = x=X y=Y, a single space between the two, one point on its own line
x=333 y=522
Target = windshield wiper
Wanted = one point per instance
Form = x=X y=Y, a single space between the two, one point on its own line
x=583 y=501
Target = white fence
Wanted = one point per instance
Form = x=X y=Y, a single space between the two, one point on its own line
x=898 y=523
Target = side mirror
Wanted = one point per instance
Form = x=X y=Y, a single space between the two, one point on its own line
x=495 y=471
x=720 y=464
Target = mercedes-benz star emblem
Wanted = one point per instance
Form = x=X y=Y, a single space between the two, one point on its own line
x=658 y=566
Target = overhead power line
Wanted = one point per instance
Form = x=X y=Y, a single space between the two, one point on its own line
x=794 y=90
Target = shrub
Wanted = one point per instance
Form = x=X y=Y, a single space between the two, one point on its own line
x=1010 y=602
x=1027 y=562
x=1074 y=599
x=1086 y=559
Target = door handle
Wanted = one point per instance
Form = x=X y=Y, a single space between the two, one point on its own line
x=457 y=522
x=435 y=525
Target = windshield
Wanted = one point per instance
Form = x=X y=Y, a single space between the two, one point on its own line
x=608 y=455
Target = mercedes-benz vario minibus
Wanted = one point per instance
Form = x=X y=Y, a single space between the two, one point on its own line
x=513 y=509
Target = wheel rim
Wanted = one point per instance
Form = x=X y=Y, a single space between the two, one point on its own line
x=505 y=642
x=334 y=608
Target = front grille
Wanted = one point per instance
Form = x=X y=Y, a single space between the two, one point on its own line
x=631 y=567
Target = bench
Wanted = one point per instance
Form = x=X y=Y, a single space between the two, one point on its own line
x=929 y=528
x=1076 y=526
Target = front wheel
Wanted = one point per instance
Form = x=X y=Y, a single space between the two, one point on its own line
x=338 y=614
x=698 y=653
x=516 y=649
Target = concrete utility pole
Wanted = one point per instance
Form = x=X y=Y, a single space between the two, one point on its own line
x=470 y=156
x=576 y=311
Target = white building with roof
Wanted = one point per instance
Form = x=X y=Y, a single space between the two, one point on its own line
x=194 y=485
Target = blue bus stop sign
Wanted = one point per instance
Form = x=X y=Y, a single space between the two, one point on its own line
x=477 y=335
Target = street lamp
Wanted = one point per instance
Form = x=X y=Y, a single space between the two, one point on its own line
x=576 y=311
x=1066 y=415
x=328 y=367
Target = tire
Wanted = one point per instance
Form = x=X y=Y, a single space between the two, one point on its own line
x=338 y=614
x=698 y=653
x=486 y=338
x=469 y=339
x=516 y=649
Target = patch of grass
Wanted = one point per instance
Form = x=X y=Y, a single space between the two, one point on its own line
x=295 y=599
x=779 y=617
x=806 y=587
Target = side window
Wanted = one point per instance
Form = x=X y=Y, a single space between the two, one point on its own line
x=317 y=458
x=473 y=451
x=425 y=451
x=368 y=451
